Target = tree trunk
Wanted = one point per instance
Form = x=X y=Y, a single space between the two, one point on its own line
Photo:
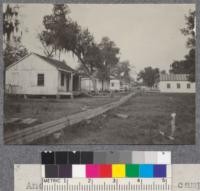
x=94 y=84
x=59 y=54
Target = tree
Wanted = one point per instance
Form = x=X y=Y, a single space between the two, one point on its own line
x=63 y=34
x=163 y=72
x=109 y=59
x=90 y=57
x=55 y=24
x=13 y=53
x=10 y=21
x=82 y=44
x=187 y=65
x=122 y=71
x=149 y=76
x=189 y=30
x=13 y=48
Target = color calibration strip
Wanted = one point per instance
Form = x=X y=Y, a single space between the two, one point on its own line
x=106 y=171
x=112 y=157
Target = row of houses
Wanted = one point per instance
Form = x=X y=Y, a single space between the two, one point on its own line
x=38 y=75
x=114 y=84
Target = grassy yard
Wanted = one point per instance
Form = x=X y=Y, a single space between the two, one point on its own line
x=148 y=114
x=48 y=109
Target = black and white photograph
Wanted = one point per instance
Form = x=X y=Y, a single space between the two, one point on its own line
x=99 y=74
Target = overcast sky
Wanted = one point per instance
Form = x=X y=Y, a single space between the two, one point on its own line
x=147 y=34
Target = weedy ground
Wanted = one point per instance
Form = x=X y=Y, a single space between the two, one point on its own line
x=45 y=110
x=148 y=114
x=50 y=109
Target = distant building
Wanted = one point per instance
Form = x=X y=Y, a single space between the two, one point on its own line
x=87 y=84
x=124 y=86
x=38 y=75
x=114 y=84
x=175 y=83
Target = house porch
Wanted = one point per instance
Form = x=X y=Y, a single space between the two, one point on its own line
x=68 y=84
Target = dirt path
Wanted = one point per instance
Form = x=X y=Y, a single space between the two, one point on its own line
x=147 y=115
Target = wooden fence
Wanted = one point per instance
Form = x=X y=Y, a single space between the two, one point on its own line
x=31 y=134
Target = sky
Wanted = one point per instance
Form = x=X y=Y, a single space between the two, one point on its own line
x=147 y=34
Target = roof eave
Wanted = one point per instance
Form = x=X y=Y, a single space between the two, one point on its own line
x=61 y=69
x=11 y=65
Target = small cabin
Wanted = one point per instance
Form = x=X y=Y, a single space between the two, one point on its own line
x=39 y=75
x=115 y=84
x=175 y=83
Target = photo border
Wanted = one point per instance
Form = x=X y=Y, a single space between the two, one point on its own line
x=30 y=154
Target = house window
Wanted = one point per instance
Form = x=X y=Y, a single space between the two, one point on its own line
x=168 y=86
x=178 y=86
x=40 y=80
x=112 y=84
x=188 y=86
x=62 y=82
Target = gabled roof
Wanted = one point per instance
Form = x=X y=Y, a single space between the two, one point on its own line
x=174 y=77
x=112 y=77
x=56 y=63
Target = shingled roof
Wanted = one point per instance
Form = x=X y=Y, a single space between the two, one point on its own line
x=174 y=77
x=58 y=64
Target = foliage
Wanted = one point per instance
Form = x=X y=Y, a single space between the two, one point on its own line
x=63 y=34
x=55 y=24
x=189 y=30
x=10 y=21
x=163 y=72
x=187 y=65
x=14 y=50
x=122 y=71
x=13 y=53
x=149 y=76
x=109 y=58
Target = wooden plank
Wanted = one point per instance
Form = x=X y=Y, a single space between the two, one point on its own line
x=66 y=121
x=12 y=120
x=29 y=121
x=30 y=134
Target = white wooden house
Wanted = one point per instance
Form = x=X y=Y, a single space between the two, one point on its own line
x=38 y=75
x=175 y=83
x=114 y=84
x=117 y=84
x=87 y=84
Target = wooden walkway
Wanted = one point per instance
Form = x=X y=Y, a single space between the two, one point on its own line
x=31 y=134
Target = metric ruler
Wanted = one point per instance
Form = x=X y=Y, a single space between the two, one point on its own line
x=106 y=184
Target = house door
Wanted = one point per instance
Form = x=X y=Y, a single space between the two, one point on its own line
x=75 y=83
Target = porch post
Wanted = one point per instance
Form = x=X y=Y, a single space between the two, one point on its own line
x=71 y=85
x=79 y=83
